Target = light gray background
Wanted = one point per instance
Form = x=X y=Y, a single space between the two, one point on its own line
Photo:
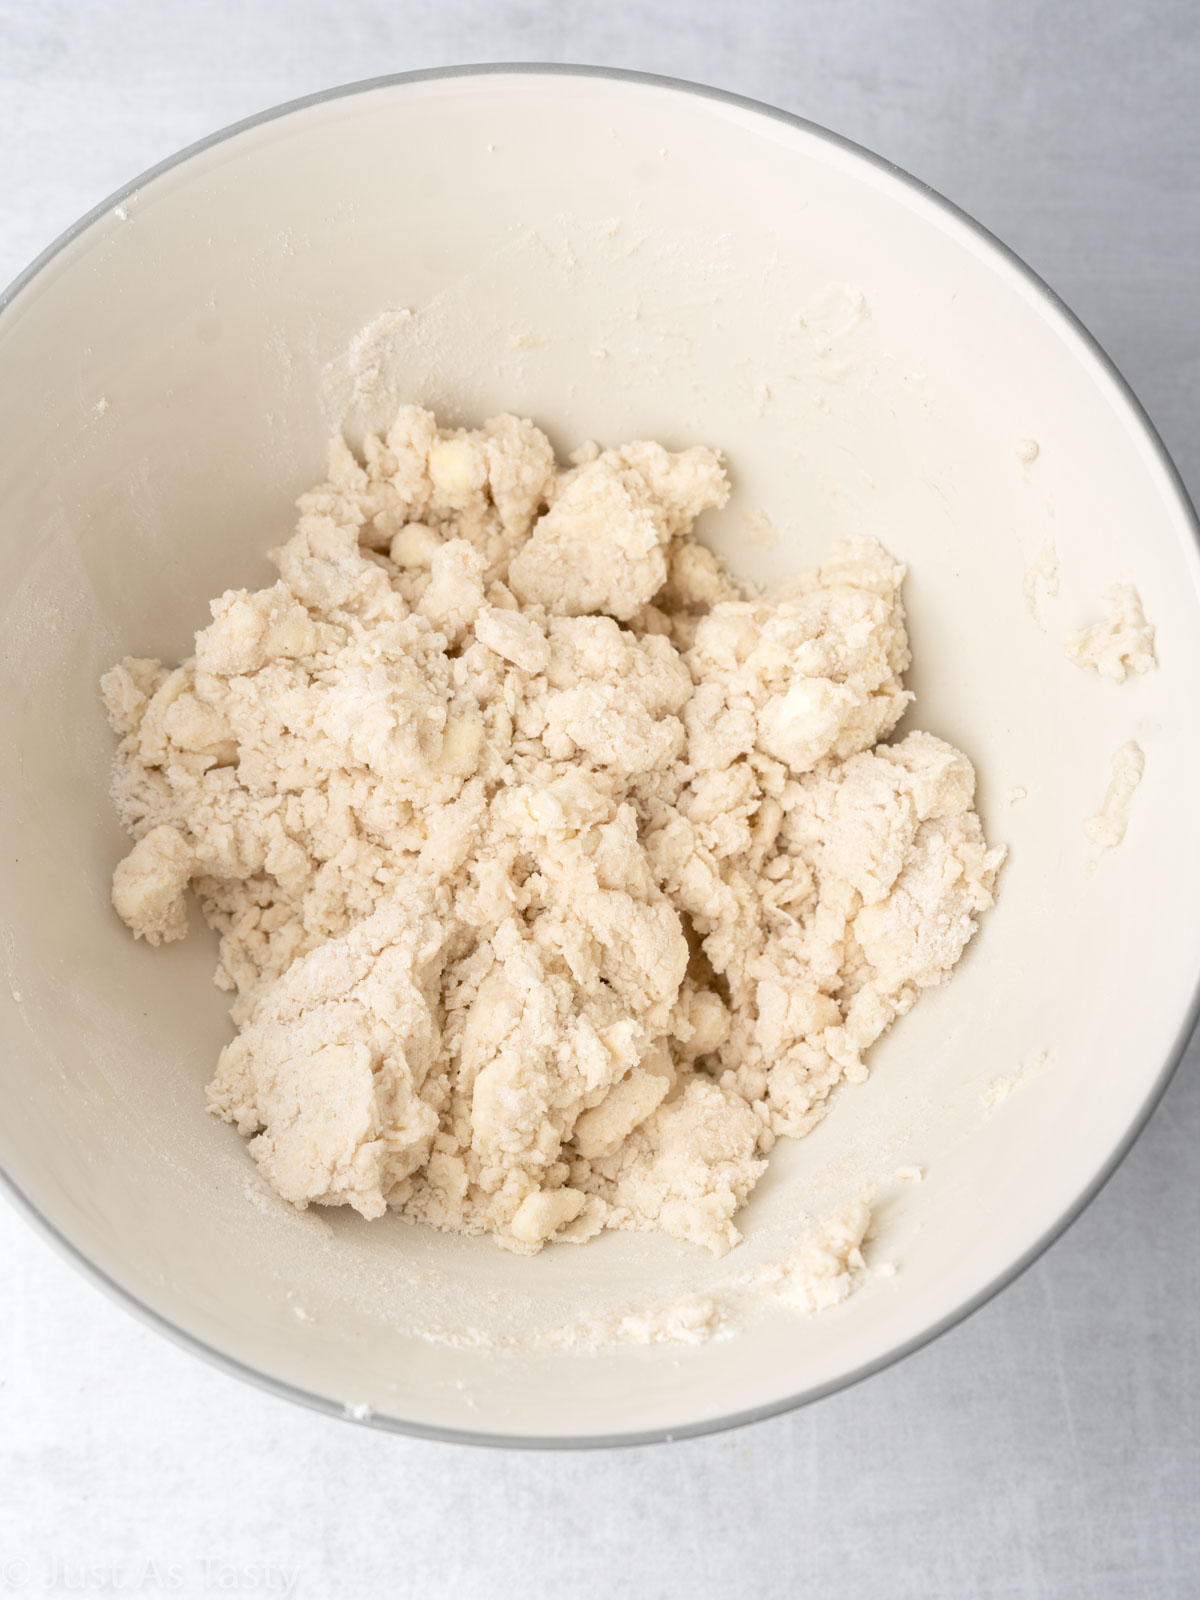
x=1050 y=1447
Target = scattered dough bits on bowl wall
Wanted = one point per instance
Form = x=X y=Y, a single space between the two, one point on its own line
x=618 y=261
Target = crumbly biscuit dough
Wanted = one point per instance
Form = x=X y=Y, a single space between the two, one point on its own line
x=556 y=875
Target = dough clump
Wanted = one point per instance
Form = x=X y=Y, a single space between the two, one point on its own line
x=1122 y=643
x=555 y=874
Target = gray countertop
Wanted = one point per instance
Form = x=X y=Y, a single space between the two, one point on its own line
x=1048 y=1447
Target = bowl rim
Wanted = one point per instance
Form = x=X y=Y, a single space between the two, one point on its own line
x=1057 y=307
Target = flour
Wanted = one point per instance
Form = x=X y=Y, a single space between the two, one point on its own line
x=1122 y=643
x=1107 y=829
x=363 y=374
x=556 y=876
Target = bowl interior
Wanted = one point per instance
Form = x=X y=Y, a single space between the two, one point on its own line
x=615 y=259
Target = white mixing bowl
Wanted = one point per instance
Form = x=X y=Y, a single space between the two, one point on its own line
x=615 y=257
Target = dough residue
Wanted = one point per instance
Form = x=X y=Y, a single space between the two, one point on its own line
x=998 y=1090
x=1121 y=643
x=1041 y=583
x=1107 y=828
x=819 y=1272
x=759 y=530
x=556 y=875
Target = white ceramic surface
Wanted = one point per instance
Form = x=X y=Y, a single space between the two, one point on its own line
x=612 y=258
